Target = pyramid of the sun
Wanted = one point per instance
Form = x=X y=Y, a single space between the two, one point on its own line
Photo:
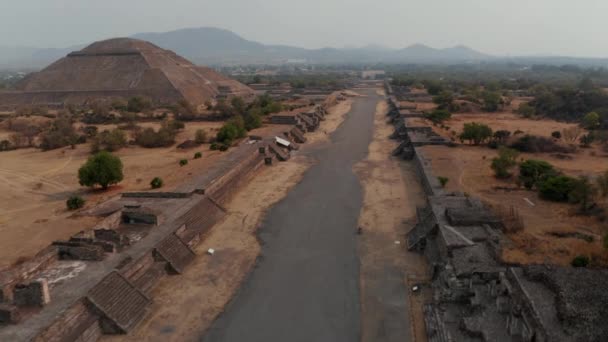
x=123 y=67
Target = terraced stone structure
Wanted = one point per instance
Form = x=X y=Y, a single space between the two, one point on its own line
x=100 y=279
x=477 y=297
x=122 y=68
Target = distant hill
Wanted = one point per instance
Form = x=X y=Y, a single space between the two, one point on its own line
x=213 y=46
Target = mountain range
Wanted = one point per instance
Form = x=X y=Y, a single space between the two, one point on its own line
x=213 y=46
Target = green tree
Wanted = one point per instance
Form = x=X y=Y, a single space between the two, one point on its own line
x=526 y=110
x=591 y=120
x=582 y=193
x=444 y=100
x=557 y=188
x=439 y=115
x=533 y=172
x=507 y=159
x=138 y=104
x=102 y=168
x=475 y=133
x=491 y=101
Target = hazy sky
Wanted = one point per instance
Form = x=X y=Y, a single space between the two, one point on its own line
x=504 y=27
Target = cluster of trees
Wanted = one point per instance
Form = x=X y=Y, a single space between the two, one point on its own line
x=333 y=80
x=551 y=184
x=242 y=118
x=163 y=137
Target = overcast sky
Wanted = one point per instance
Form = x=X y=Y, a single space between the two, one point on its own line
x=503 y=27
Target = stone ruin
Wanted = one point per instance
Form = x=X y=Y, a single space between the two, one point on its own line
x=144 y=237
x=122 y=68
x=477 y=297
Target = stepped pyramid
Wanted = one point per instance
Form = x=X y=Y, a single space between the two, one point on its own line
x=123 y=67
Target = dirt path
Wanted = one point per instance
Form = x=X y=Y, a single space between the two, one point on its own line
x=389 y=312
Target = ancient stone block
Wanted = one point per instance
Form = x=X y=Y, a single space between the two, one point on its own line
x=9 y=314
x=35 y=293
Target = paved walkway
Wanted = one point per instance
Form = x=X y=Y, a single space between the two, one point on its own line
x=306 y=285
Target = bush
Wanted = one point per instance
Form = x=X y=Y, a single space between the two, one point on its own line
x=475 y=133
x=150 y=138
x=443 y=181
x=156 y=183
x=214 y=146
x=536 y=144
x=556 y=134
x=198 y=155
x=504 y=162
x=557 y=188
x=224 y=147
x=60 y=134
x=582 y=193
x=580 y=261
x=110 y=141
x=533 y=172
x=138 y=104
x=75 y=202
x=183 y=162
x=102 y=168
x=439 y=115
x=200 y=137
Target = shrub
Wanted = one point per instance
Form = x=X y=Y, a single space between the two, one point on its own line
x=591 y=121
x=536 y=144
x=557 y=188
x=150 y=138
x=156 y=183
x=75 y=202
x=507 y=158
x=110 y=141
x=60 y=134
x=533 y=172
x=224 y=147
x=214 y=146
x=183 y=162
x=438 y=115
x=253 y=120
x=556 y=134
x=200 y=137
x=501 y=136
x=443 y=181
x=198 y=155
x=138 y=104
x=582 y=193
x=475 y=133
x=580 y=261
x=102 y=168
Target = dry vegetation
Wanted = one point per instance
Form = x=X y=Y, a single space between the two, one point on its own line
x=554 y=232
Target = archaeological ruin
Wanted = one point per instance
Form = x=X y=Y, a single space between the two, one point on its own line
x=476 y=296
x=122 y=68
x=99 y=281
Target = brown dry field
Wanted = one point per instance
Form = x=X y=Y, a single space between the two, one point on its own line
x=468 y=170
x=391 y=195
x=212 y=280
x=34 y=186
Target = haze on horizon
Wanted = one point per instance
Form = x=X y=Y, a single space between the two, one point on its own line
x=517 y=27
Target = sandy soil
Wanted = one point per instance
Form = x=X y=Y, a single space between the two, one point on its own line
x=333 y=120
x=507 y=121
x=391 y=194
x=34 y=186
x=212 y=280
